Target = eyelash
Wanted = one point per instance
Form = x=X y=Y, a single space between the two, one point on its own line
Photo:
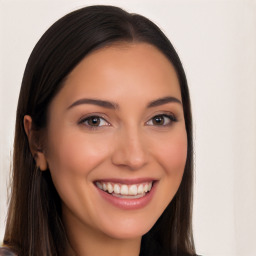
x=85 y=121
x=170 y=118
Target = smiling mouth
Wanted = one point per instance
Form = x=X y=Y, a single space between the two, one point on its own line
x=126 y=191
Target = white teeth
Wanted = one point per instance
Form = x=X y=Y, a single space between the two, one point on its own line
x=146 y=188
x=98 y=184
x=129 y=197
x=140 y=189
x=133 y=190
x=104 y=187
x=110 y=188
x=124 y=190
x=117 y=189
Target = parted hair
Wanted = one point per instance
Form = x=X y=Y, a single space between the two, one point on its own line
x=34 y=223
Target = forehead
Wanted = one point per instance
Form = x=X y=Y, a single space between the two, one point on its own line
x=122 y=69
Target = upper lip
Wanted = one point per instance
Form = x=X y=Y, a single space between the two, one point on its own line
x=127 y=181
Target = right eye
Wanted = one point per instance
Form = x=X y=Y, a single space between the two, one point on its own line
x=94 y=121
x=162 y=120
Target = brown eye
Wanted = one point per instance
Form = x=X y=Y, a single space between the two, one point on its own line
x=94 y=121
x=162 y=120
x=158 y=120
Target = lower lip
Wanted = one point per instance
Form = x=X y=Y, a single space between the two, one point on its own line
x=129 y=204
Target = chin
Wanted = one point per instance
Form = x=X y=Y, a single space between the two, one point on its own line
x=128 y=229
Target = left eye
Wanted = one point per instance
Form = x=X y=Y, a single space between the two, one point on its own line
x=162 y=120
x=94 y=121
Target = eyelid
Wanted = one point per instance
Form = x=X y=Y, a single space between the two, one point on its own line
x=172 y=118
x=87 y=117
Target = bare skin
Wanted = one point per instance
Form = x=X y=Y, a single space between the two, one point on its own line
x=118 y=116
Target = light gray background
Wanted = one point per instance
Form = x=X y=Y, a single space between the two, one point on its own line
x=216 y=41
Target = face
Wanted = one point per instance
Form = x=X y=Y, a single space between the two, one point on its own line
x=116 y=142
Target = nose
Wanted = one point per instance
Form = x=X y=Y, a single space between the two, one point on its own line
x=130 y=150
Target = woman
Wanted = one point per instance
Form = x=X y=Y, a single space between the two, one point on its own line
x=103 y=143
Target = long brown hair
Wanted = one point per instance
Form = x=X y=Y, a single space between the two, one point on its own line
x=34 y=226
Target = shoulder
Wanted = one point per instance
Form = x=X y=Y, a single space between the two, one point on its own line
x=4 y=251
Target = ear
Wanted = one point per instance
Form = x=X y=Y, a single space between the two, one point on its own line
x=37 y=153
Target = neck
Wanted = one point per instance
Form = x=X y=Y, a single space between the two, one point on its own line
x=88 y=241
x=88 y=246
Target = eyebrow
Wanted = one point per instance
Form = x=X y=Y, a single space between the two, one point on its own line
x=112 y=105
x=101 y=103
x=163 y=101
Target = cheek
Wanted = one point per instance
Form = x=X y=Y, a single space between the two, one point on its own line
x=72 y=157
x=174 y=154
x=171 y=155
x=76 y=154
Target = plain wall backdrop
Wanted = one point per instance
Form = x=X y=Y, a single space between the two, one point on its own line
x=216 y=41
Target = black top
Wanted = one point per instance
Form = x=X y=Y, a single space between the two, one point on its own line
x=6 y=252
